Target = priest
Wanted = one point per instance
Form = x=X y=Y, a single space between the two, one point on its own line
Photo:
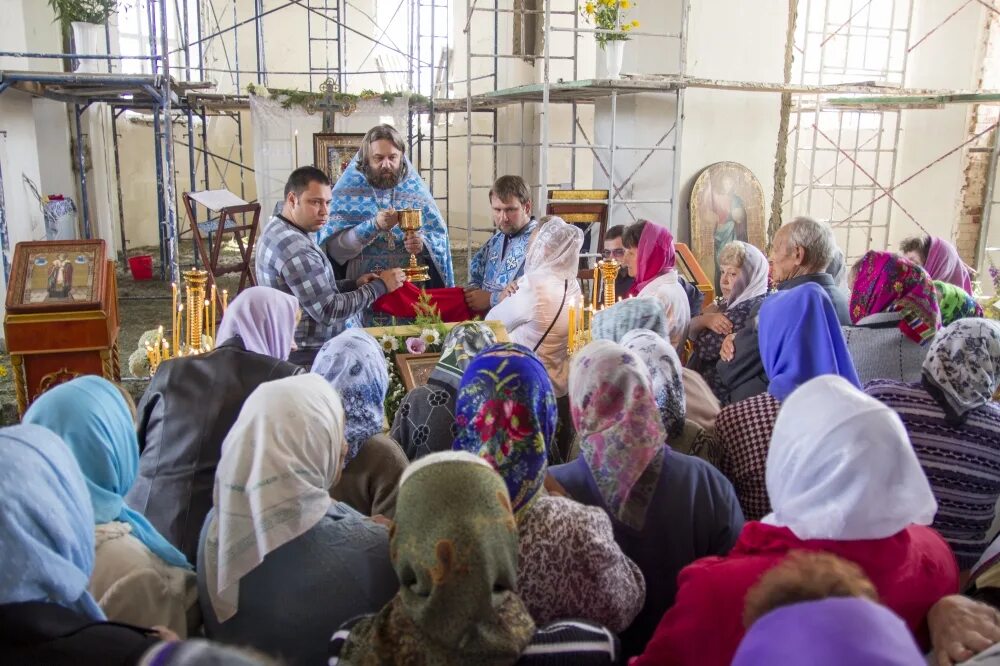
x=363 y=234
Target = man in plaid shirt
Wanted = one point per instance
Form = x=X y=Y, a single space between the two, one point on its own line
x=288 y=259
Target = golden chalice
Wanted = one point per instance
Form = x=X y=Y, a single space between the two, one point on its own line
x=609 y=271
x=410 y=221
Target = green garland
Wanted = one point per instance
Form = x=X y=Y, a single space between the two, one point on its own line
x=310 y=100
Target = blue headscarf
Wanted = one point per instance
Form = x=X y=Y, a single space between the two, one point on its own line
x=92 y=417
x=354 y=202
x=506 y=413
x=800 y=339
x=46 y=524
x=353 y=364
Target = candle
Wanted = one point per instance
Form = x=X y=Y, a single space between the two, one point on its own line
x=173 y=307
x=572 y=328
x=225 y=301
x=207 y=326
x=295 y=144
x=166 y=350
x=596 y=275
x=213 y=313
x=190 y=318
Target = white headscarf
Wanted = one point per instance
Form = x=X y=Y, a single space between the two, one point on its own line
x=555 y=250
x=752 y=281
x=841 y=466
x=278 y=463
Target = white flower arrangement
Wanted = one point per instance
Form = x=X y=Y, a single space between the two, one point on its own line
x=388 y=343
x=430 y=336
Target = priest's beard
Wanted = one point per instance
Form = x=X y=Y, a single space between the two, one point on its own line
x=384 y=179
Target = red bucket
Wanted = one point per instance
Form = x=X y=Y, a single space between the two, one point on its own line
x=141 y=267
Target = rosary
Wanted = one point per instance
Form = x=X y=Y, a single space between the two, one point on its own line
x=389 y=238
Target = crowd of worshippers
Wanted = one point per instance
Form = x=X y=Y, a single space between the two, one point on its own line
x=816 y=483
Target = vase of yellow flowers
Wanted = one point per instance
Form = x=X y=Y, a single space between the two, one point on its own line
x=609 y=17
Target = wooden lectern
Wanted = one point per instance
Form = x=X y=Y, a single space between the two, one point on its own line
x=62 y=315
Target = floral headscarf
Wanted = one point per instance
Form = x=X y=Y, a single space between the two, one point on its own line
x=354 y=366
x=656 y=255
x=461 y=345
x=506 y=413
x=962 y=366
x=632 y=313
x=955 y=304
x=665 y=370
x=889 y=283
x=622 y=437
x=454 y=548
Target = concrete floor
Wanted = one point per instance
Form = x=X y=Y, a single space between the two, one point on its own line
x=145 y=305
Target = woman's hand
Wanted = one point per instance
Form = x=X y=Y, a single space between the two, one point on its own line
x=728 y=351
x=961 y=628
x=717 y=323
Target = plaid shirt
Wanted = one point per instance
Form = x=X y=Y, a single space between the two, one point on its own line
x=288 y=260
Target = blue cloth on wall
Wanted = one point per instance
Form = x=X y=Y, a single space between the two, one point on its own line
x=92 y=417
x=800 y=339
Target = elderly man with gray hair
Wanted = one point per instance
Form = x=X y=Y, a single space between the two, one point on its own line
x=800 y=253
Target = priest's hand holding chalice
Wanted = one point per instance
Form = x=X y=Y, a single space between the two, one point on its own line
x=410 y=222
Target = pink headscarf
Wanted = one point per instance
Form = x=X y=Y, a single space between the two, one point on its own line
x=656 y=255
x=264 y=318
x=943 y=263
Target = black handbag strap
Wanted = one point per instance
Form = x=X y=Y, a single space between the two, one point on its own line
x=556 y=318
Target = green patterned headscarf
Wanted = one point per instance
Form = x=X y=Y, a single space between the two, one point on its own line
x=460 y=346
x=454 y=548
x=955 y=303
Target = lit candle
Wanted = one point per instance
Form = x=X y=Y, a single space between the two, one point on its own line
x=295 y=144
x=213 y=313
x=225 y=301
x=207 y=327
x=189 y=330
x=166 y=350
x=173 y=307
x=177 y=328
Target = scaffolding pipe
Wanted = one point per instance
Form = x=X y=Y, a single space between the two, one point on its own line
x=675 y=213
x=118 y=181
x=82 y=165
x=543 y=157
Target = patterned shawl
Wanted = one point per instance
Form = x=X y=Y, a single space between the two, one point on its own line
x=955 y=303
x=506 y=413
x=753 y=279
x=665 y=370
x=632 y=313
x=943 y=263
x=454 y=547
x=656 y=255
x=90 y=414
x=47 y=523
x=354 y=366
x=461 y=345
x=265 y=320
x=555 y=251
x=278 y=463
x=800 y=338
x=889 y=283
x=356 y=201
x=622 y=437
x=962 y=366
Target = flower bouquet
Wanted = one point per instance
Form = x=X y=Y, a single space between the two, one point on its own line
x=609 y=15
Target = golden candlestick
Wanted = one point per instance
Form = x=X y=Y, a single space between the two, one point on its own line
x=410 y=221
x=609 y=272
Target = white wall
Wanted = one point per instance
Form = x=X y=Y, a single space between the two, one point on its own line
x=948 y=59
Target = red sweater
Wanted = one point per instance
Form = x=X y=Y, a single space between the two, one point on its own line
x=911 y=570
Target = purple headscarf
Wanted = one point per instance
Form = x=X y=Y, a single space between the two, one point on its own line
x=829 y=632
x=943 y=263
x=264 y=318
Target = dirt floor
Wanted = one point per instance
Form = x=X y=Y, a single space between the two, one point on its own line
x=145 y=305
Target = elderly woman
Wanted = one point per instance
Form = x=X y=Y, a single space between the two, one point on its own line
x=354 y=366
x=277 y=547
x=664 y=366
x=743 y=281
x=939 y=258
x=843 y=479
x=794 y=349
x=506 y=413
x=894 y=312
x=651 y=258
x=954 y=427
x=139 y=577
x=455 y=549
x=425 y=420
x=537 y=315
x=192 y=402
x=666 y=509
x=46 y=561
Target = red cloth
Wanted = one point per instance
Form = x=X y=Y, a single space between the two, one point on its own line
x=656 y=255
x=450 y=301
x=911 y=570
